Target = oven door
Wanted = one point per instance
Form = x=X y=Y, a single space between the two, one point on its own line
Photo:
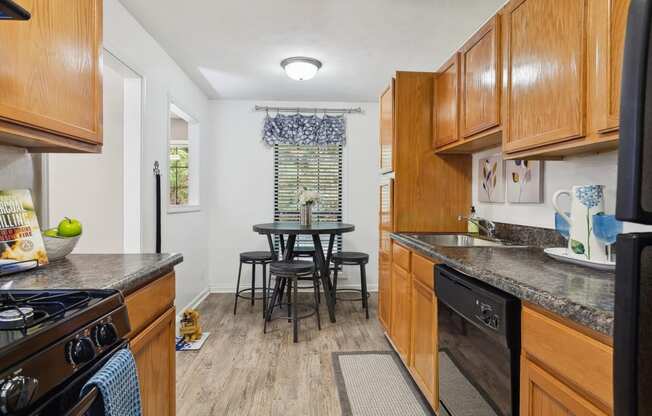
x=66 y=400
x=475 y=368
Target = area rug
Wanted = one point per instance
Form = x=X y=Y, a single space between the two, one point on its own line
x=375 y=383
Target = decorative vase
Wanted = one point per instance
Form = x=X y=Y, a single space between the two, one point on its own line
x=586 y=201
x=305 y=214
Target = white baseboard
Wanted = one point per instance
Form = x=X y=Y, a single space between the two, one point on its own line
x=192 y=304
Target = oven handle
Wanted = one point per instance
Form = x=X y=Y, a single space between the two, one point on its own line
x=85 y=403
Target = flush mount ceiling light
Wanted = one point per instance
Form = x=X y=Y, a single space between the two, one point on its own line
x=300 y=68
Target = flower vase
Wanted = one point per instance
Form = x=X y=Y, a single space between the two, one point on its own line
x=305 y=215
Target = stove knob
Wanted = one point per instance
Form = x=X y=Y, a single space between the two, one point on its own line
x=80 y=351
x=105 y=335
x=16 y=393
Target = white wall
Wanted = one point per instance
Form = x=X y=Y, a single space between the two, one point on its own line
x=242 y=182
x=187 y=233
x=558 y=174
x=89 y=187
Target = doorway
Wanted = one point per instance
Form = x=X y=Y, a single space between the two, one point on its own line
x=103 y=190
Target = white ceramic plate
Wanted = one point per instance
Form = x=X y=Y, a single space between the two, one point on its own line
x=561 y=254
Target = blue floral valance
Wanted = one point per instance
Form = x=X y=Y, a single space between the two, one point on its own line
x=299 y=129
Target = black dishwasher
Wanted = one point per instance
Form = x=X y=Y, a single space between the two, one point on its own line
x=479 y=342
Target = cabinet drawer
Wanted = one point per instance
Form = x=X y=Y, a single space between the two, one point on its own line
x=580 y=361
x=423 y=270
x=401 y=256
x=148 y=303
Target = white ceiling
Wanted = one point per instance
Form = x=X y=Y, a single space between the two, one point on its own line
x=233 y=49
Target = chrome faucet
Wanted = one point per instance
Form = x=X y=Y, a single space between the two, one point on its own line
x=483 y=224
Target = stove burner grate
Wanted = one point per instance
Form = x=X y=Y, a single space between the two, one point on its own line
x=23 y=311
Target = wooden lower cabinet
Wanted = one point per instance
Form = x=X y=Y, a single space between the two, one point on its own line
x=564 y=369
x=408 y=292
x=424 y=341
x=385 y=289
x=544 y=395
x=155 y=358
x=400 y=330
x=152 y=318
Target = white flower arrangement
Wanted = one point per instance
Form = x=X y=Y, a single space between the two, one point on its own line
x=308 y=197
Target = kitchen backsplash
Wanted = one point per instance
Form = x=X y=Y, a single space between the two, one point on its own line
x=20 y=169
x=529 y=236
x=557 y=174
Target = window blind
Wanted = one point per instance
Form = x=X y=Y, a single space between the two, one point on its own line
x=315 y=168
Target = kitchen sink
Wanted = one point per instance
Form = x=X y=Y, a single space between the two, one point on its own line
x=460 y=240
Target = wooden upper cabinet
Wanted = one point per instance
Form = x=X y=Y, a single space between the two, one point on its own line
x=544 y=76
x=446 y=103
x=607 y=23
x=387 y=129
x=51 y=77
x=480 y=80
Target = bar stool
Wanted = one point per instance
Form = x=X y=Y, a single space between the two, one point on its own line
x=254 y=258
x=352 y=258
x=289 y=273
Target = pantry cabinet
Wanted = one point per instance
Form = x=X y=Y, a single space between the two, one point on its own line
x=152 y=341
x=446 y=103
x=385 y=253
x=387 y=129
x=51 y=77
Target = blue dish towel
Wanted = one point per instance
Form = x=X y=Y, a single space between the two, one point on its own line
x=117 y=382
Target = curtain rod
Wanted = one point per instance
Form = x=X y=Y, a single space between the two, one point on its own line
x=357 y=110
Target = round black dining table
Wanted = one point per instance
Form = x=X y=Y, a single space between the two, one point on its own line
x=292 y=230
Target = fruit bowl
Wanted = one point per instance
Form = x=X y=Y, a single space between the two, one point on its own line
x=59 y=247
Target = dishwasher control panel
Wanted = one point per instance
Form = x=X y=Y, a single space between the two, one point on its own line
x=487 y=314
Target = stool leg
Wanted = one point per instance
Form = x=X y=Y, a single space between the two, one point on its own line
x=237 y=289
x=270 y=307
x=290 y=301
x=315 y=285
x=295 y=284
x=253 y=283
x=264 y=289
x=282 y=292
x=363 y=282
x=335 y=284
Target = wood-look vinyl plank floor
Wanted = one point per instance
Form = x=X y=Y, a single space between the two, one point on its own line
x=241 y=371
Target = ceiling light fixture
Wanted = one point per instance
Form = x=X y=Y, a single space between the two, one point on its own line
x=300 y=68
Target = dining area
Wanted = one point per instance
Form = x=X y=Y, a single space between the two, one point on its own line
x=302 y=257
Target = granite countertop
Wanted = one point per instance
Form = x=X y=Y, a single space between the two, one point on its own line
x=125 y=272
x=583 y=295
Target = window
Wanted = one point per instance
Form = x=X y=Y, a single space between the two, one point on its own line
x=183 y=162
x=315 y=168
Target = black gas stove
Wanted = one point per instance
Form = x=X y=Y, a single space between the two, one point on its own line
x=51 y=342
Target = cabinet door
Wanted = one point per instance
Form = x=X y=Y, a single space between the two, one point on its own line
x=51 y=74
x=424 y=340
x=385 y=215
x=545 y=61
x=544 y=395
x=607 y=20
x=385 y=289
x=480 y=80
x=387 y=129
x=401 y=311
x=154 y=351
x=446 y=102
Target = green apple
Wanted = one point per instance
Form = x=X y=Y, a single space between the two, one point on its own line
x=52 y=232
x=69 y=227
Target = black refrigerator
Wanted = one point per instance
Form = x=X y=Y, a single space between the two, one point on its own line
x=633 y=309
